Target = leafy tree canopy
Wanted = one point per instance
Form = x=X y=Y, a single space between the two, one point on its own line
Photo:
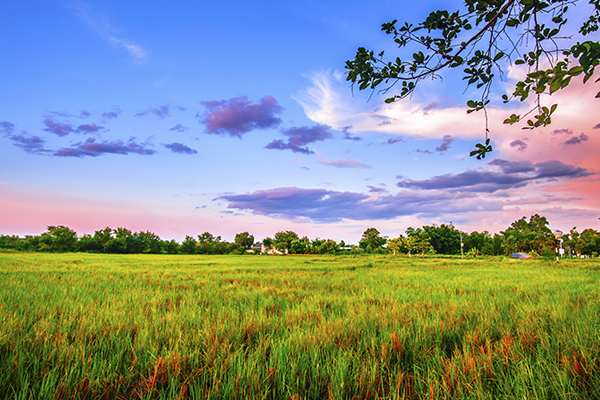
x=482 y=38
x=371 y=237
x=244 y=239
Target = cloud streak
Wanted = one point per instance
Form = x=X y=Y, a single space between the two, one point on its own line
x=90 y=148
x=31 y=144
x=321 y=205
x=89 y=128
x=511 y=175
x=161 y=112
x=344 y=163
x=180 y=148
x=100 y=25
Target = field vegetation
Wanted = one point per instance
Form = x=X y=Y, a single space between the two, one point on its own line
x=90 y=326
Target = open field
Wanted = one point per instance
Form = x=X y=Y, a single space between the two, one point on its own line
x=252 y=327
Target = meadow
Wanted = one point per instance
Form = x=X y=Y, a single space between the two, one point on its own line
x=94 y=326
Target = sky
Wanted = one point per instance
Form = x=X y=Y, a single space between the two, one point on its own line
x=229 y=117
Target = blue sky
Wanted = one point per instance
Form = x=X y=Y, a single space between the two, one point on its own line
x=229 y=117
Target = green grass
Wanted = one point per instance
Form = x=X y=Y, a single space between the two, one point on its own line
x=251 y=327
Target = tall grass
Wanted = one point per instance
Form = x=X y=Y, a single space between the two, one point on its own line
x=245 y=327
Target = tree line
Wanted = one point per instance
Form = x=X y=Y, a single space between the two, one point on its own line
x=528 y=236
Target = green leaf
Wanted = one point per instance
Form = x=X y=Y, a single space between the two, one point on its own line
x=471 y=104
x=519 y=62
x=555 y=85
x=576 y=70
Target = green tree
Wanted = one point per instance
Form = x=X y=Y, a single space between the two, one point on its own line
x=59 y=238
x=523 y=236
x=371 y=238
x=420 y=240
x=590 y=242
x=283 y=240
x=188 y=246
x=301 y=246
x=209 y=244
x=482 y=38
x=244 y=239
x=445 y=239
x=88 y=244
x=397 y=245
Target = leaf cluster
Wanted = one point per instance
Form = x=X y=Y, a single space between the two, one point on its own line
x=480 y=39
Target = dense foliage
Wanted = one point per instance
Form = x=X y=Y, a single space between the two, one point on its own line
x=531 y=236
x=483 y=38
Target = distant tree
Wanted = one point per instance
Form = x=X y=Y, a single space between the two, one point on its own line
x=483 y=38
x=590 y=242
x=147 y=242
x=482 y=241
x=445 y=239
x=10 y=242
x=208 y=244
x=329 y=247
x=523 y=236
x=396 y=245
x=188 y=246
x=60 y=239
x=244 y=239
x=267 y=242
x=301 y=246
x=371 y=237
x=420 y=240
x=170 y=247
x=88 y=244
x=283 y=240
x=102 y=237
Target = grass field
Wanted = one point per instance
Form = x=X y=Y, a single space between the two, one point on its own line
x=309 y=327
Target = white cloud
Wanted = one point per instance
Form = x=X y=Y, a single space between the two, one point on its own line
x=101 y=26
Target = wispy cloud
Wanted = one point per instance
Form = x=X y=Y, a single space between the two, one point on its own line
x=519 y=144
x=238 y=115
x=180 y=148
x=301 y=136
x=31 y=144
x=160 y=112
x=562 y=131
x=394 y=140
x=57 y=128
x=7 y=127
x=179 y=128
x=447 y=140
x=344 y=163
x=576 y=139
x=101 y=25
x=111 y=114
x=90 y=148
x=511 y=174
x=89 y=128
x=348 y=135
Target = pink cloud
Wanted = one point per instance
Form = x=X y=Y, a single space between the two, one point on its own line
x=238 y=116
x=92 y=149
x=160 y=112
x=57 y=128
